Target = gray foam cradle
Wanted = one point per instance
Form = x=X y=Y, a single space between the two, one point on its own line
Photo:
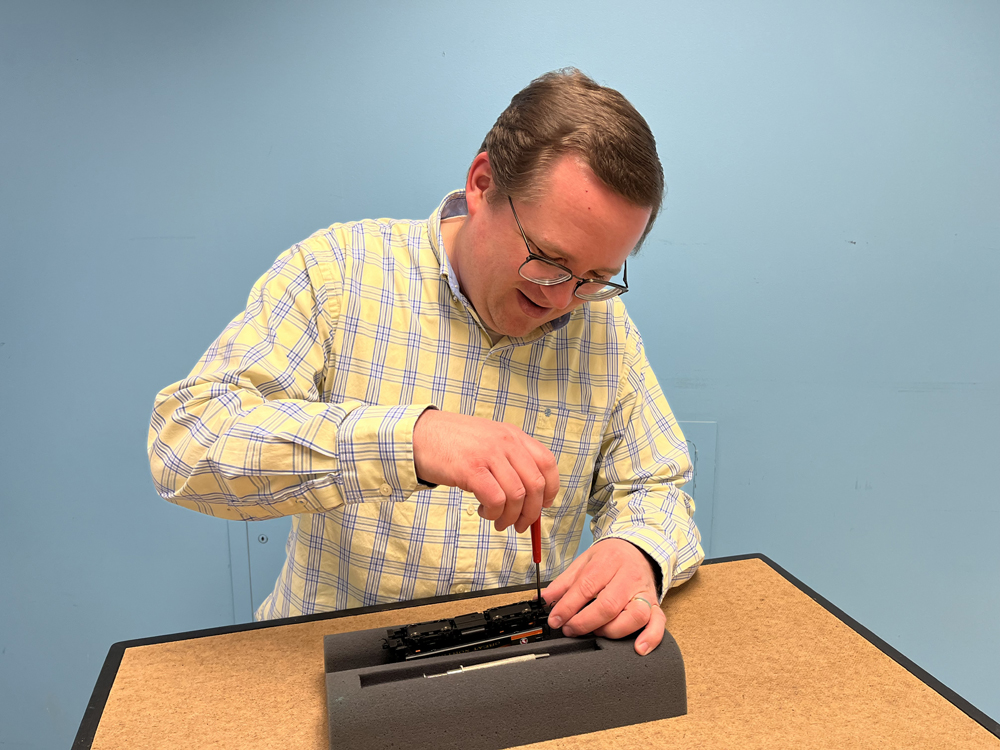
x=584 y=685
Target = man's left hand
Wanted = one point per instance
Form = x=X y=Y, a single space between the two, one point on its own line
x=618 y=578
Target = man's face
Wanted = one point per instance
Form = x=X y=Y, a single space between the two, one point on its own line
x=577 y=222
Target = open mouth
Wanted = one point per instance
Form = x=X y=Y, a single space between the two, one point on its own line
x=530 y=308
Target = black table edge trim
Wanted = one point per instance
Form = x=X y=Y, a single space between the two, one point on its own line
x=102 y=689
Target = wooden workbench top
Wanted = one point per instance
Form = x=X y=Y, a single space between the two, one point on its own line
x=767 y=667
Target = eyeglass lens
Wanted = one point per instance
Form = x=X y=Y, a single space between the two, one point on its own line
x=549 y=273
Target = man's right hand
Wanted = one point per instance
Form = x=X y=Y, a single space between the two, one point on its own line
x=511 y=474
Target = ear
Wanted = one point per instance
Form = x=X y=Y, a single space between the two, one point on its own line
x=478 y=181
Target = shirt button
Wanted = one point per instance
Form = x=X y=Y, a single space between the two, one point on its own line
x=470 y=509
x=385 y=490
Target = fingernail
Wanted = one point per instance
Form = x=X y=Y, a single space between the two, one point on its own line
x=642 y=648
x=555 y=621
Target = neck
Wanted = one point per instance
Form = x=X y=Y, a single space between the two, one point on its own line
x=451 y=236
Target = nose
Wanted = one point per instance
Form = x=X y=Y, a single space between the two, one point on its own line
x=560 y=295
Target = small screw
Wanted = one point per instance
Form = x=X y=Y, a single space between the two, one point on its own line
x=262 y=539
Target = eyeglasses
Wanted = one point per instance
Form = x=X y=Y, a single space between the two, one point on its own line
x=540 y=270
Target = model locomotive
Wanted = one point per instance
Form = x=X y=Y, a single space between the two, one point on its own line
x=501 y=626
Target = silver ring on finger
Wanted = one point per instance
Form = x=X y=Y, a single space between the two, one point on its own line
x=643 y=600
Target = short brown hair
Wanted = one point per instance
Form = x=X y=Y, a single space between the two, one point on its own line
x=566 y=112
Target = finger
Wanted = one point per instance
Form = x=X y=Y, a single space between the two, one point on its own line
x=637 y=614
x=558 y=588
x=491 y=496
x=513 y=489
x=534 y=484
x=549 y=469
x=652 y=634
x=589 y=585
x=597 y=615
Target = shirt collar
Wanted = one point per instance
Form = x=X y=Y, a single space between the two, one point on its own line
x=453 y=205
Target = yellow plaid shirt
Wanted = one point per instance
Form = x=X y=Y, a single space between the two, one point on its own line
x=305 y=406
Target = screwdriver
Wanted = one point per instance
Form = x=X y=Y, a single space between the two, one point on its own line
x=536 y=553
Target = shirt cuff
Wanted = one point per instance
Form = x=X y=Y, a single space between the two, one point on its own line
x=375 y=453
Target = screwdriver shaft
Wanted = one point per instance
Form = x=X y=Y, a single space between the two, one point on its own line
x=536 y=553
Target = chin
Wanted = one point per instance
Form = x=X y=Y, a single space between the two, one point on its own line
x=517 y=330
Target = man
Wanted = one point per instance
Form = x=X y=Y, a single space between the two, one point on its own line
x=416 y=393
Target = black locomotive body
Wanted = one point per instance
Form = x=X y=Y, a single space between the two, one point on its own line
x=501 y=626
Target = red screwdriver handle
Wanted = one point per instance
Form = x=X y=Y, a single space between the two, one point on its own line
x=536 y=540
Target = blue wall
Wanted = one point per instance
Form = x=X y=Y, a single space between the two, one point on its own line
x=823 y=283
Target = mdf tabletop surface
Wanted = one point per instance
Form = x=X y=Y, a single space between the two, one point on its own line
x=769 y=664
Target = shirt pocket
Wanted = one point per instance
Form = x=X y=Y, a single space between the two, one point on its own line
x=575 y=440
